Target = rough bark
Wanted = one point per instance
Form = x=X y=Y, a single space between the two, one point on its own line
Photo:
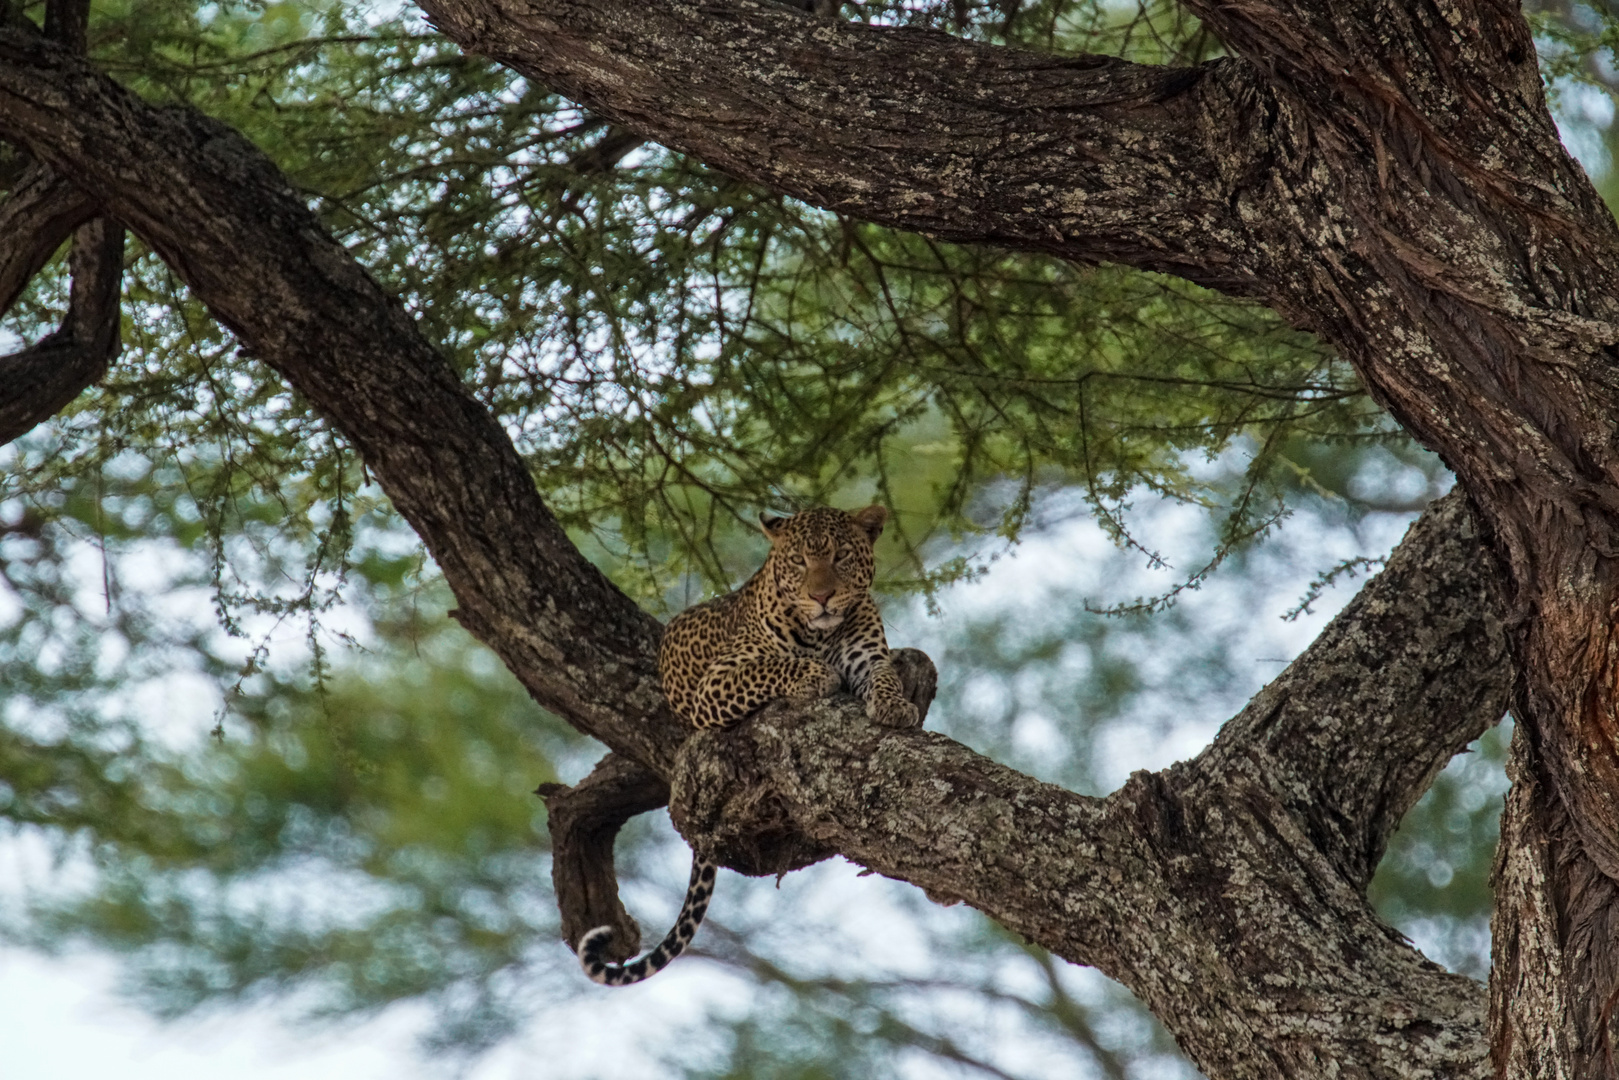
x=584 y=820
x=1226 y=892
x=37 y=382
x=41 y=211
x=1352 y=733
x=1384 y=173
x=1100 y=159
x=1217 y=890
x=228 y=222
x=38 y=215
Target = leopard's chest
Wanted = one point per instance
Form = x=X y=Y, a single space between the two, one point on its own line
x=787 y=637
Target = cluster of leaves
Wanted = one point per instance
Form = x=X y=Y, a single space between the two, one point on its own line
x=368 y=842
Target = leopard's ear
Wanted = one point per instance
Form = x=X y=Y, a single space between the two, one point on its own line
x=871 y=519
x=771 y=525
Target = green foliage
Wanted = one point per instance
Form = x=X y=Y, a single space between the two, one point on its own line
x=374 y=840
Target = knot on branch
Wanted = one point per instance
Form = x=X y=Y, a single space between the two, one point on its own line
x=584 y=821
x=723 y=798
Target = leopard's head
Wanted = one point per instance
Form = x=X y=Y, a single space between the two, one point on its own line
x=821 y=560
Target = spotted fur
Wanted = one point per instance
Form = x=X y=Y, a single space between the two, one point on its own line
x=594 y=944
x=800 y=628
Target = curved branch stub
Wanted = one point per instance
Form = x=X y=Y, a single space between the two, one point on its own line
x=36 y=218
x=38 y=382
x=584 y=821
x=919 y=677
x=722 y=801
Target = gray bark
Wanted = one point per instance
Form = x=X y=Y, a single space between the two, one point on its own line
x=1227 y=892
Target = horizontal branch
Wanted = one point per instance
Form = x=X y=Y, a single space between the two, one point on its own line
x=1382 y=172
x=1206 y=895
x=1086 y=156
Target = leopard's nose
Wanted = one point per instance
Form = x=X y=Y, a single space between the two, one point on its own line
x=821 y=598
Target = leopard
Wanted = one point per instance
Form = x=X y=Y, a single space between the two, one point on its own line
x=802 y=627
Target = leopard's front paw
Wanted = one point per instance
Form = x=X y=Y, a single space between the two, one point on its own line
x=891 y=710
x=818 y=681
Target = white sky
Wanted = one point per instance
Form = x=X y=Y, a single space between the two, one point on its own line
x=60 y=1019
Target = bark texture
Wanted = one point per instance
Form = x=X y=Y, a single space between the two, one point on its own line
x=40 y=212
x=228 y=222
x=38 y=382
x=1386 y=174
x=584 y=820
x=1226 y=892
x=36 y=218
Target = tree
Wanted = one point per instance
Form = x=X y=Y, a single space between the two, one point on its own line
x=1400 y=191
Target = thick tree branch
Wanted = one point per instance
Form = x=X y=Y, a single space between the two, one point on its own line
x=37 y=217
x=1207 y=895
x=1204 y=891
x=1415 y=668
x=1230 y=886
x=584 y=820
x=41 y=211
x=67 y=22
x=1384 y=173
x=1433 y=59
x=1086 y=156
x=232 y=227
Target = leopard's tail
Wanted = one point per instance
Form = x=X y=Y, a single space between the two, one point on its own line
x=594 y=944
